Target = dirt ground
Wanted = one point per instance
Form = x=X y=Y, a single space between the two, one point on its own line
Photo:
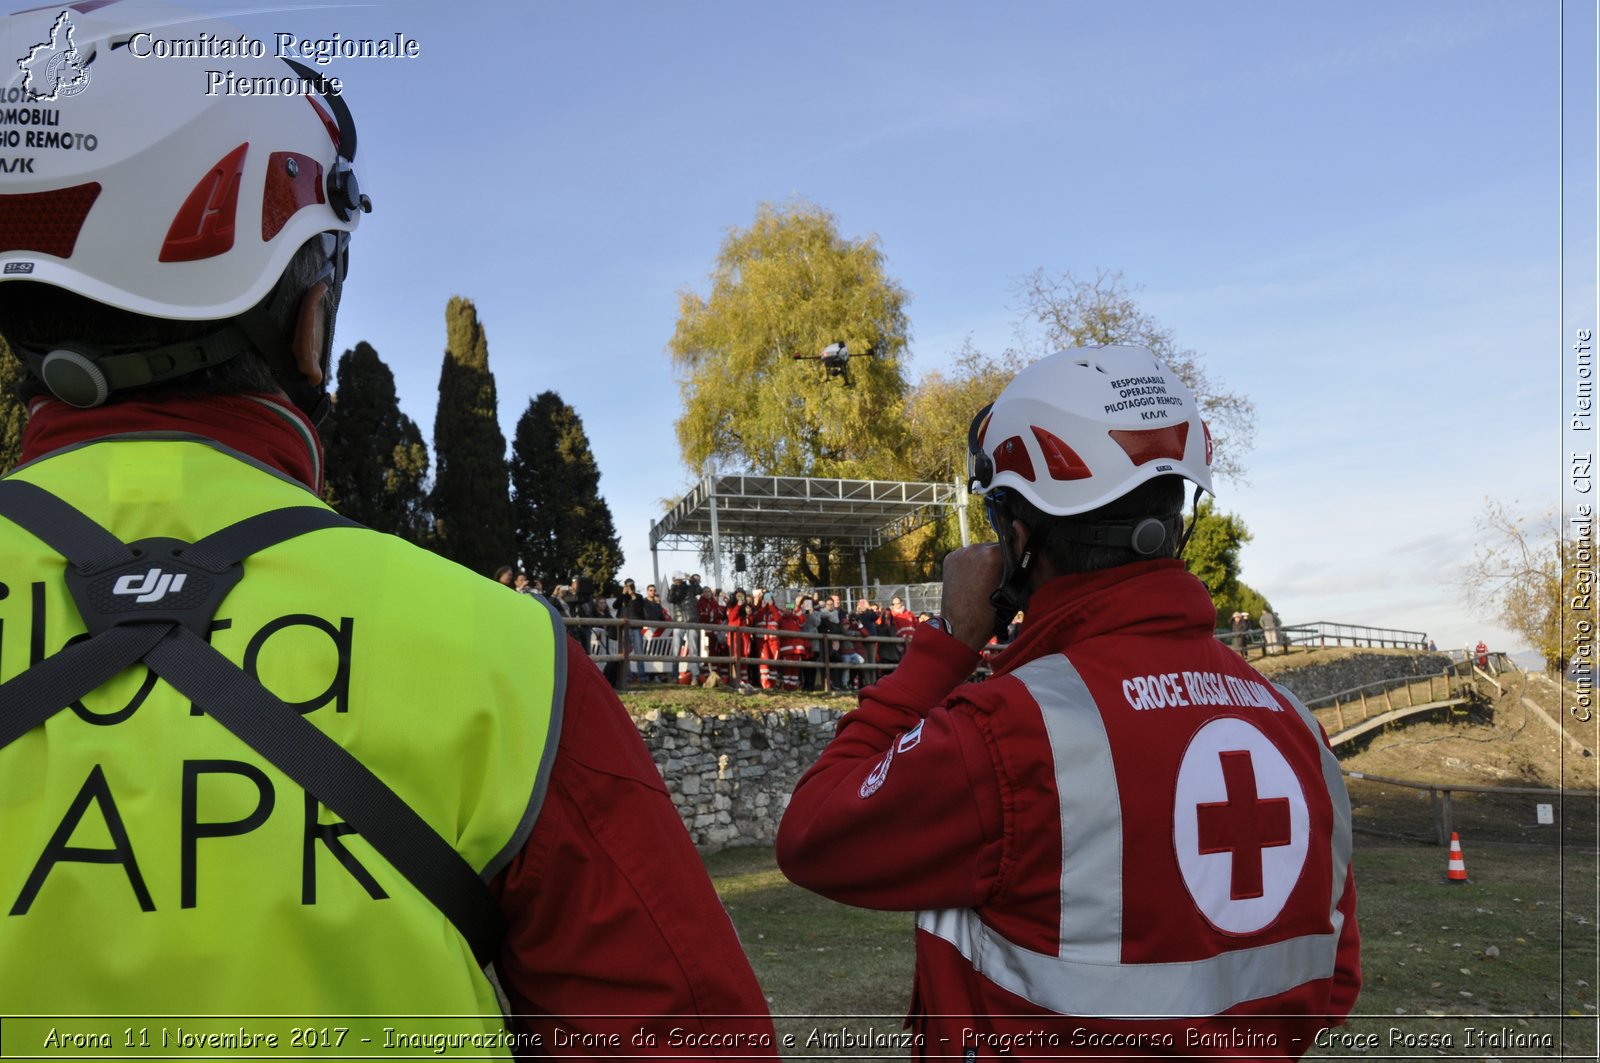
x=1499 y=742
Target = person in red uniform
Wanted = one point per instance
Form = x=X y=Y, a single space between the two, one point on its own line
x=712 y=644
x=899 y=622
x=741 y=641
x=791 y=646
x=613 y=925
x=762 y=613
x=1126 y=842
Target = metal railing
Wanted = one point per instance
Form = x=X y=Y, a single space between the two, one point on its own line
x=678 y=650
x=677 y=646
x=1291 y=638
x=1329 y=633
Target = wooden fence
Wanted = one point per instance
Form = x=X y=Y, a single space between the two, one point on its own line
x=1439 y=796
x=1349 y=714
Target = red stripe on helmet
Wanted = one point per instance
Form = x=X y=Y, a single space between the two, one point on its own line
x=1148 y=444
x=1061 y=460
x=293 y=181
x=46 y=222
x=1012 y=456
x=203 y=226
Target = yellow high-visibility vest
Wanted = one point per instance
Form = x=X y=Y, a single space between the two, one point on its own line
x=152 y=864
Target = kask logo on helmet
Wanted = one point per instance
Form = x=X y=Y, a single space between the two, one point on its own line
x=53 y=69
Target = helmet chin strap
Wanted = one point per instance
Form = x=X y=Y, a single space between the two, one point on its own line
x=1194 y=518
x=1011 y=597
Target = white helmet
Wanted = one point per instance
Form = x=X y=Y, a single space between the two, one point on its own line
x=153 y=183
x=1081 y=428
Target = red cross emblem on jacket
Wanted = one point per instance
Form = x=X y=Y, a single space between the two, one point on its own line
x=1240 y=825
x=1243 y=825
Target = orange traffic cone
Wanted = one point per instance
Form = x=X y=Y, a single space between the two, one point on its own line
x=1456 y=870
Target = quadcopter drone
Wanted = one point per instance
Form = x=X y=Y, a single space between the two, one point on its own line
x=835 y=359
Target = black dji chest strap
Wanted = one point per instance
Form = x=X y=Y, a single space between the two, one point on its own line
x=153 y=601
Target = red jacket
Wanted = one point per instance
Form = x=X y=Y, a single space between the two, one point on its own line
x=1127 y=821
x=791 y=644
x=903 y=623
x=613 y=924
x=765 y=615
x=707 y=611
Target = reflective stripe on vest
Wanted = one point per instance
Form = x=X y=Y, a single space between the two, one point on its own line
x=1087 y=977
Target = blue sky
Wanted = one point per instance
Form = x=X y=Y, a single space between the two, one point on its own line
x=1351 y=210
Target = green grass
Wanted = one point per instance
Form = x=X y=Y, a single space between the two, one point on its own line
x=1425 y=950
x=1424 y=947
x=815 y=958
x=670 y=698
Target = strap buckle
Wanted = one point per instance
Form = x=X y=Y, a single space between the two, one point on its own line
x=160 y=583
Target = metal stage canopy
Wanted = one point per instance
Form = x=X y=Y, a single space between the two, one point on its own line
x=859 y=513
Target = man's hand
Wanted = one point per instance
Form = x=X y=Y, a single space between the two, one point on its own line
x=970 y=575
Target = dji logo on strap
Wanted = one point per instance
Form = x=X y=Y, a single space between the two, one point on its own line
x=152 y=586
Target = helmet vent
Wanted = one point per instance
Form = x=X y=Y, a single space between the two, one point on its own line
x=203 y=226
x=1061 y=460
x=1148 y=444
x=46 y=222
x=293 y=181
x=1012 y=456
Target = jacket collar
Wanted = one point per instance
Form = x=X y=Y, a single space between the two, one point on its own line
x=265 y=427
x=1145 y=598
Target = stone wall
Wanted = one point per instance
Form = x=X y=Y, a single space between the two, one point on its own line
x=1318 y=680
x=731 y=775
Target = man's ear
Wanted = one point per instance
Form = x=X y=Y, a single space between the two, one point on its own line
x=1040 y=568
x=310 y=334
x=1019 y=539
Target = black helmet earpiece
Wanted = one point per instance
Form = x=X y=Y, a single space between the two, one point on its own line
x=980 y=466
x=1144 y=537
x=81 y=375
x=73 y=377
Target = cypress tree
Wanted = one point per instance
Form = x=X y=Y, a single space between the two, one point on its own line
x=377 y=465
x=13 y=414
x=563 y=525
x=471 y=500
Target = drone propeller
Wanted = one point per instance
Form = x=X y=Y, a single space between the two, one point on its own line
x=835 y=358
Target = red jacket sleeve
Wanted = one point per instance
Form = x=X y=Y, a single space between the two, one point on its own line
x=614 y=925
x=1347 y=963
x=875 y=822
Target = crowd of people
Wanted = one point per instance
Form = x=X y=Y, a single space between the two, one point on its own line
x=1272 y=639
x=816 y=642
